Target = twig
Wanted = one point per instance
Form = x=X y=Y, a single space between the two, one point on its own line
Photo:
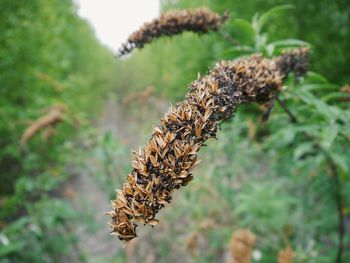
x=283 y=104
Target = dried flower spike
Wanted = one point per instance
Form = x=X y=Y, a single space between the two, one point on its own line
x=241 y=246
x=165 y=163
x=295 y=60
x=200 y=20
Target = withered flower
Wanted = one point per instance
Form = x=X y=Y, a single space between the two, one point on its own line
x=200 y=20
x=241 y=246
x=295 y=60
x=165 y=163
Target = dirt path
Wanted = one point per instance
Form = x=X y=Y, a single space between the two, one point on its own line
x=87 y=196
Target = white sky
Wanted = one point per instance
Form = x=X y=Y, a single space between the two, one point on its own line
x=114 y=20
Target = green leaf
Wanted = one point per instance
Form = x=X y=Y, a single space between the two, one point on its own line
x=330 y=113
x=315 y=77
x=245 y=27
x=335 y=95
x=240 y=49
x=11 y=248
x=340 y=161
x=290 y=42
x=329 y=133
x=302 y=149
x=315 y=87
x=264 y=18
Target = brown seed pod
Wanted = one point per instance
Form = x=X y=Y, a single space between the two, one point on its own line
x=241 y=246
x=200 y=20
x=165 y=163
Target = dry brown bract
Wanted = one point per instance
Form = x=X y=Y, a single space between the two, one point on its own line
x=170 y=23
x=165 y=163
x=241 y=246
x=54 y=115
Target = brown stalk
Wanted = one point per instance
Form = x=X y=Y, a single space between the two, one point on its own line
x=52 y=117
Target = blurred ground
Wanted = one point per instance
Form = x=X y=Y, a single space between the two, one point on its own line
x=88 y=197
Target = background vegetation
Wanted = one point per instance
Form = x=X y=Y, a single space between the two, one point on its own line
x=286 y=180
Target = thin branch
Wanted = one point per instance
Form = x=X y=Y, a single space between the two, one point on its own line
x=283 y=104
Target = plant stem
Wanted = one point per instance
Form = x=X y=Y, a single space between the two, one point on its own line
x=283 y=104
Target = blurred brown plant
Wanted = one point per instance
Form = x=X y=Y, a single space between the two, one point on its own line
x=285 y=255
x=52 y=117
x=142 y=97
x=345 y=89
x=241 y=246
x=200 y=20
x=69 y=192
x=192 y=243
x=165 y=163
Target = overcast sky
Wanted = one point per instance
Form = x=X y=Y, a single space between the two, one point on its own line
x=114 y=20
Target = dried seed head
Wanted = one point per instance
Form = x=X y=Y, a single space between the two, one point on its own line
x=241 y=246
x=200 y=20
x=165 y=163
x=296 y=60
x=286 y=255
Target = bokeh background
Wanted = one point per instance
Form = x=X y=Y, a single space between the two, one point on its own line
x=287 y=182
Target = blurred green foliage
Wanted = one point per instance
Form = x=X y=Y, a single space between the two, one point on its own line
x=267 y=177
x=48 y=56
